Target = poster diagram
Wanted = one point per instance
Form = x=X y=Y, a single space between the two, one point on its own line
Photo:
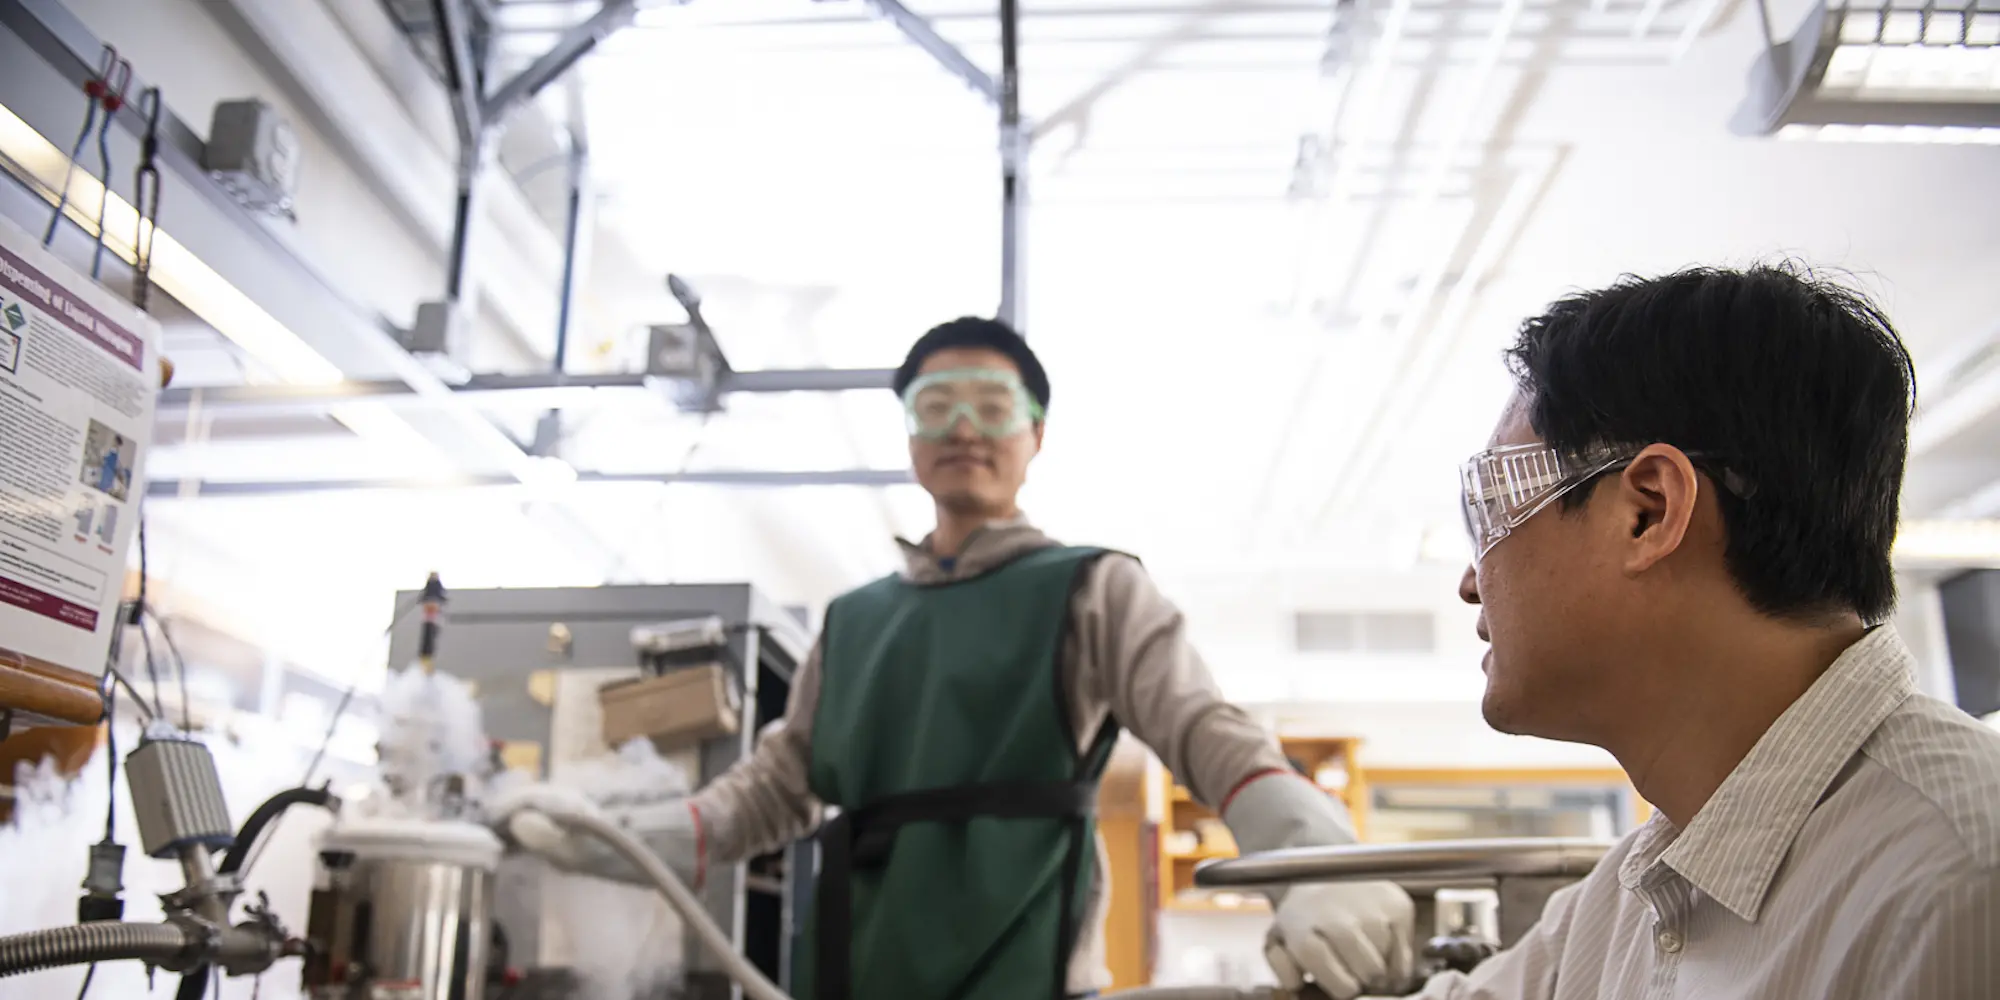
x=107 y=461
x=12 y=321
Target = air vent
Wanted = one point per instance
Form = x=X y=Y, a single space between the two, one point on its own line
x=1364 y=632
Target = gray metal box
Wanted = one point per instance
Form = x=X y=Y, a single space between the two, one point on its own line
x=254 y=154
x=684 y=360
x=439 y=339
x=177 y=797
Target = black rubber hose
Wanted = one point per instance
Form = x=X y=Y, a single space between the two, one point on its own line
x=194 y=984
x=104 y=941
x=265 y=815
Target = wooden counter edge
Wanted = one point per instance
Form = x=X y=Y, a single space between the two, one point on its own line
x=42 y=689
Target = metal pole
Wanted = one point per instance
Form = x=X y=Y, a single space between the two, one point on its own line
x=471 y=160
x=576 y=237
x=464 y=79
x=574 y=44
x=461 y=68
x=1013 y=174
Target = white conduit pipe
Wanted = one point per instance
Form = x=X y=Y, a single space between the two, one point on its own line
x=1404 y=340
x=755 y=986
x=746 y=975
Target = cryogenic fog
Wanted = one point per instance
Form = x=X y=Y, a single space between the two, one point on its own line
x=434 y=760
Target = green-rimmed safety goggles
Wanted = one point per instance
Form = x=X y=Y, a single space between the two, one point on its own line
x=993 y=403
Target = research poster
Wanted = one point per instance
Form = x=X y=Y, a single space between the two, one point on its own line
x=79 y=374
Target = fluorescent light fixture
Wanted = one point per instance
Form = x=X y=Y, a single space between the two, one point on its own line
x=176 y=270
x=542 y=471
x=1872 y=74
x=1941 y=135
x=179 y=273
x=1952 y=542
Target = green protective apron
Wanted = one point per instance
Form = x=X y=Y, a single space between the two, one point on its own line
x=959 y=864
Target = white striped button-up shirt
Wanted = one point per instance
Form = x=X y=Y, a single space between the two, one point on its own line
x=1854 y=854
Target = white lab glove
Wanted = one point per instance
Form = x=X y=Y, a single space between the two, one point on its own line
x=669 y=828
x=1350 y=937
x=1347 y=937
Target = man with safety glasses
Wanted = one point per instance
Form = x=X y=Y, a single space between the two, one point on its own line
x=959 y=714
x=1681 y=538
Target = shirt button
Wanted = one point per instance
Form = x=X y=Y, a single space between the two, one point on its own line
x=1669 y=942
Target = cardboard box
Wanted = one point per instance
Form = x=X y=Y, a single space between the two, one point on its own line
x=674 y=710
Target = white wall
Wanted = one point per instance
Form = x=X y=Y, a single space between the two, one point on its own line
x=1243 y=624
x=1412 y=710
x=1919 y=620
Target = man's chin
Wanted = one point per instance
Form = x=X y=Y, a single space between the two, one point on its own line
x=961 y=500
x=1502 y=713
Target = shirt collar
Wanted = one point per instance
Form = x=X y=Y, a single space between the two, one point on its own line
x=1732 y=848
x=990 y=545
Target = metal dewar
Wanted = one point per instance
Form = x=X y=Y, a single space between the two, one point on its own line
x=401 y=910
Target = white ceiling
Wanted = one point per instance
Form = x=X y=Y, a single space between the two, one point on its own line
x=1227 y=352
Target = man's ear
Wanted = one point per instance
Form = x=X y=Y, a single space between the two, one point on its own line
x=1040 y=425
x=1656 y=500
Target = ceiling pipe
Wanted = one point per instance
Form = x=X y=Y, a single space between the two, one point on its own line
x=1412 y=337
x=171 y=489
x=1367 y=99
x=537 y=390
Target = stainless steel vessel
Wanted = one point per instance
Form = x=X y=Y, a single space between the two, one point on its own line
x=401 y=911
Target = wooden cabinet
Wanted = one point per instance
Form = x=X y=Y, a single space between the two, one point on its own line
x=1131 y=932
x=1191 y=833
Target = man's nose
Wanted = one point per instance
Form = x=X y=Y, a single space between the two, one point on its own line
x=961 y=429
x=1468 y=585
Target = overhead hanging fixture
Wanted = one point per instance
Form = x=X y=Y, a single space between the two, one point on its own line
x=1855 y=73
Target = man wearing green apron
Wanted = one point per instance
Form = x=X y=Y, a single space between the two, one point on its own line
x=959 y=713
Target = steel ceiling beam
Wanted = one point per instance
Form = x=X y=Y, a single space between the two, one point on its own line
x=1014 y=140
x=463 y=81
x=170 y=489
x=1015 y=135
x=919 y=30
x=574 y=44
x=277 y=399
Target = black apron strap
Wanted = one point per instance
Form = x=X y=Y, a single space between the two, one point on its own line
x=862 y=839
x=1067 y=929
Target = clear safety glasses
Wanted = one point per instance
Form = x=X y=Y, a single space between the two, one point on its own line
x=1505 y=486
x=993 y=403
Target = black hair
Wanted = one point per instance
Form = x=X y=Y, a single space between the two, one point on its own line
x=1796 y=385
x=988 y=334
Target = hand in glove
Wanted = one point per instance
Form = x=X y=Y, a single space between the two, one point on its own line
x=670 y=829
x=1348 y=937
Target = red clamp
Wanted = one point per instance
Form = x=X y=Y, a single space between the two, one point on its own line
x=113 y=79
x=98 y=85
